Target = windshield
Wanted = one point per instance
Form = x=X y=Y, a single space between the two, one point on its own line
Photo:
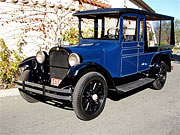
x=105 y=28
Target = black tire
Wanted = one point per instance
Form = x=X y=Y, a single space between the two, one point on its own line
x=161 y=76
x=24 y=77
x=89 y=96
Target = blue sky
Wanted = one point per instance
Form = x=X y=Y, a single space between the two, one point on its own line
x=166 y=7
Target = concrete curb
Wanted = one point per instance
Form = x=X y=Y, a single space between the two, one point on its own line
x=9 y=92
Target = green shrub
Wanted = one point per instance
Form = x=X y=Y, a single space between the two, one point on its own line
x=71 y=36
x=9 y=60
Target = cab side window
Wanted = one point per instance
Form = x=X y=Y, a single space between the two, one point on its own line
x=129 y=29
x=158 y=32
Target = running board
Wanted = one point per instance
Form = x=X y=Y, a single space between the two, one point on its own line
x=133 y=85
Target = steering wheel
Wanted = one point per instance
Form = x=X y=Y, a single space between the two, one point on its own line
x=113 y=33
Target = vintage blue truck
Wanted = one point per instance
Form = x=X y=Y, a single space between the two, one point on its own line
x=114 y=54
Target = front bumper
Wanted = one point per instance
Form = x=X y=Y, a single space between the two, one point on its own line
x=52 y=92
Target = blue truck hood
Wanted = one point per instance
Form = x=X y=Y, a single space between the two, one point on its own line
x=89 y=52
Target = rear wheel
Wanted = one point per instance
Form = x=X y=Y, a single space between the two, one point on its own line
x=161 y=76
x=89 y=96
x=24 y=77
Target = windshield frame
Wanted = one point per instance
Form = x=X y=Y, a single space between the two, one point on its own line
x=95 y=28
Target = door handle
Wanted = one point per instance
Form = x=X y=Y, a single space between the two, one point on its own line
x=138 y=45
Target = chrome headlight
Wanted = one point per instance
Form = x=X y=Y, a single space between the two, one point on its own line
x=74 y=59
x=40 y=57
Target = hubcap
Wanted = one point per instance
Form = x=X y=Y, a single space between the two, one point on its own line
x=95 y=97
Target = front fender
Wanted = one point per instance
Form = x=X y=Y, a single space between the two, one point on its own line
x=30 y=62
x=75 y=70
x=83 y=68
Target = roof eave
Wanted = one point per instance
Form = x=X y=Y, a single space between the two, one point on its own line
x=144 y=5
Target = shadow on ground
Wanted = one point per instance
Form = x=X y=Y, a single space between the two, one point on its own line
x=62 y=105
x=176 y=58
x=115 y=96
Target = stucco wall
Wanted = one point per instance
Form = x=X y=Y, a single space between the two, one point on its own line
x=40 y=25
x=37 y=25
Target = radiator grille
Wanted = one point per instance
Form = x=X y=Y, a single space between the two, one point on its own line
x=58 y=64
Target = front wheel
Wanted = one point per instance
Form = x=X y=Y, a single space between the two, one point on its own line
x=161 y=76
x=89 y=96
x=24 y=77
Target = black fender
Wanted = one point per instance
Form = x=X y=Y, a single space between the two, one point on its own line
x=79 y=70
x=161 y=57
x=30 y=62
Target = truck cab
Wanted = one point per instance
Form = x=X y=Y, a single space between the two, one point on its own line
x=119 y=50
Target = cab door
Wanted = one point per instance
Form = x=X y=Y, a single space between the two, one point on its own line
x=131 y=43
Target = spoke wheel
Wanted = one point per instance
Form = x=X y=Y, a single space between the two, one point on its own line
x=89 y=96
x=93 y=96
x=161 y=76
